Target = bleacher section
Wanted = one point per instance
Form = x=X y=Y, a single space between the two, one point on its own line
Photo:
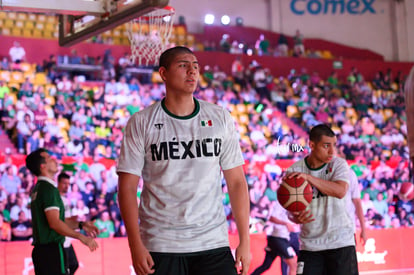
x=30 y=25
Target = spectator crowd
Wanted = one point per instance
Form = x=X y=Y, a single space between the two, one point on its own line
x=81 y=125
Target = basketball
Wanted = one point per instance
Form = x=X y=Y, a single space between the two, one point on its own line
x=406 y=191
x=294 y=194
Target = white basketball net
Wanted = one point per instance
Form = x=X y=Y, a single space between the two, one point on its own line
x=149 y=35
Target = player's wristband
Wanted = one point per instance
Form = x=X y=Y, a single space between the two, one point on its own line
x=80 y=225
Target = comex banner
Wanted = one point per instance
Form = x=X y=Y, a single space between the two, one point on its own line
x=318 y=7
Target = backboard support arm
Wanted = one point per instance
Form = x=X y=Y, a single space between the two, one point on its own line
x=73 y=7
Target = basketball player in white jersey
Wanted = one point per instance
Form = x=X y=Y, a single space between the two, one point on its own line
x=354 y=205
x=327 y=234
x=409 y=110
x=278 y=241
x=179 y=147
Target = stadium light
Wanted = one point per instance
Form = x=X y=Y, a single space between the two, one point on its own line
x=209 y=19
x=225 y=20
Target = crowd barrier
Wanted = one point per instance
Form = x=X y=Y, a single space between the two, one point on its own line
x=386 y=251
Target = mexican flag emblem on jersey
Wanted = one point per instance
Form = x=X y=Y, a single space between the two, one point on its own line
x=206 y=123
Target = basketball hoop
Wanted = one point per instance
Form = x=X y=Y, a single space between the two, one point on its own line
x=149 y=35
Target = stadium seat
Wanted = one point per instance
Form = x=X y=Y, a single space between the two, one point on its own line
x=50 y=27
x=327 y=54
x=51 y=100
x=292 y=111
x=5 y=75
x=388 y=113
x=51 y=19
x=5 y=31
x=22 y=16
x=48 y=34
x=16 y=77
x=12 y=15
x=180 y=30
x=37 y=33
x=16 y=32
x=40 y=79
x=29 y=25
x=26 y=67
x=27 y=32
x=241 y=108
x=19 y=24
x=9 y=23
x=32 y=17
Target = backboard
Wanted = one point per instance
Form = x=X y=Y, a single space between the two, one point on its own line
x=82 y=19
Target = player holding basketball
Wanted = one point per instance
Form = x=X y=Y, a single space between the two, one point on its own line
x=179 y=147
x=327 y=233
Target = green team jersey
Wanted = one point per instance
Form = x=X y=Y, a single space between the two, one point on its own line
x=45 y=196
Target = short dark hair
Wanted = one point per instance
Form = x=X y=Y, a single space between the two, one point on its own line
x=63 y=175
x=34 y=160
x=168 y=56
x=320 y=130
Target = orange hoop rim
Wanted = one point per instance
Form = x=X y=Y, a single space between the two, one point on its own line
x=168 y=11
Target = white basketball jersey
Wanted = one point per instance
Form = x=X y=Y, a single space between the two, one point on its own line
x=332 y=227
x=353 y=193
x=179 y=159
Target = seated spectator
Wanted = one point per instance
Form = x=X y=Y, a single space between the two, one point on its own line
x=27 y=183
x=20 y=206
x=8 y=162
x=81 y=211
x=10 y=182
x=24 y=129
x=282 y=46
x=271 y=190
x=366 y=203
x=22 y=229
x=380 y=205
x=80 y=116
x=102 y=132
x=5 y=229
x=89 y=194
x=105 y=225
x=4 y=91
x=64 y=85
x=121 y=232
x=262 y=45
x=5 y=64
x=74 y=147
x=76 y=130
x=33 y=142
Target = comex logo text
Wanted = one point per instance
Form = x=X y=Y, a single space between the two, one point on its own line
x=316 y=7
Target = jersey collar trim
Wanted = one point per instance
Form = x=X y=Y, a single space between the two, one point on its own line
x=52 y=182
x=313 y=169
x=195 y=112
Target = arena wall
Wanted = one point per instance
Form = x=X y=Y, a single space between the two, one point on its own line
x=377 y=25
x=386 y=251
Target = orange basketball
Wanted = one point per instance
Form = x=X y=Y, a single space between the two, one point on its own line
x=406 y=191
x=294 y=194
